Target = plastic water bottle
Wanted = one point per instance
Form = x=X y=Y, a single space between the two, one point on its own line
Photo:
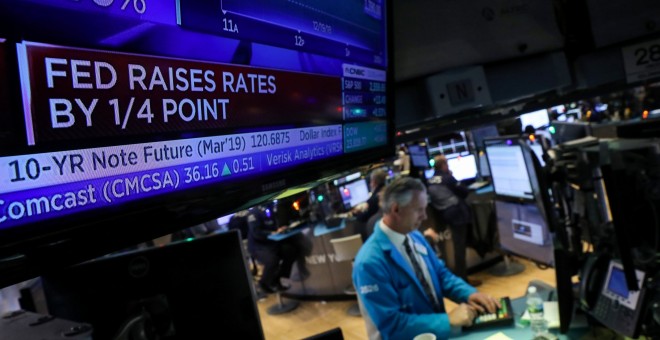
x=535 y=309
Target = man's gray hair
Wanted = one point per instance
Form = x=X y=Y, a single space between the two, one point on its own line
x=400 y=191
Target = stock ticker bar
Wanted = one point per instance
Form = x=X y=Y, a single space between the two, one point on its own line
x=99 y=177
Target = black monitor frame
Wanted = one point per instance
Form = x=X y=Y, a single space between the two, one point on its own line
x=569 y=131
x=525 y=232
x=479 y=134
x=186 y=289
x=517 y=142
x=363 y=181
x=419 y=155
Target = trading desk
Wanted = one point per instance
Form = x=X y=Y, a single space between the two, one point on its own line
x=328 y=277
x=517 y=331
x=299 y=228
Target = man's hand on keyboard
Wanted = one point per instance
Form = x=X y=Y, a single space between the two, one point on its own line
x=462 y=315
x=483 y=303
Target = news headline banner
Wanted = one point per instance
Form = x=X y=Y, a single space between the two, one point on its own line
x=78 y=94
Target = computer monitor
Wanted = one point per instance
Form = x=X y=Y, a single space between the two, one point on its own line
x=463 y=167
x=509 y=169
x=484 y=168
x=537 y=119
x=524 y=231
x=481 y=133
x=419 y=155
x=185 y=290
x=117 y=111
x=354 y=193
x=568 y=131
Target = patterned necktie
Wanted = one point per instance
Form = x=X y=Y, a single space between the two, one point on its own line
x=420 y=276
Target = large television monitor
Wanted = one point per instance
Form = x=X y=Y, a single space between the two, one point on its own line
x=463 y=167
x=509 y=169
x=176 y=112
x=185 y=290
x=419 y=155
x=523 y=231
x=354 y=193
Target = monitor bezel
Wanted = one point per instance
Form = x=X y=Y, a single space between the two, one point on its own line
x=512 y=141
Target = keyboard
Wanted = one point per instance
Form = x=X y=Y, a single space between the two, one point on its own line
x=502 y=317
x=478 y=185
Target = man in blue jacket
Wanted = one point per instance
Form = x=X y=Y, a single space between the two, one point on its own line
x=400 y=281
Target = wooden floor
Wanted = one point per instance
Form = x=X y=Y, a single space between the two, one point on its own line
x=313 y=317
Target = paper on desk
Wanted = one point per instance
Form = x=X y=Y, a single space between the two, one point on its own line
x=550 y=314
x=498 y=336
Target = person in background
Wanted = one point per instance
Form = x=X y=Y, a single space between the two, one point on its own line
x=277 y=257
x=400 y=282
x=402 y=163
x=240 y=221
x=293 y=210
x=448 y=200
x=365 y=211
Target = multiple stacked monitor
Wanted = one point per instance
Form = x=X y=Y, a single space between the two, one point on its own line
x=514 y=165
x=511 y=164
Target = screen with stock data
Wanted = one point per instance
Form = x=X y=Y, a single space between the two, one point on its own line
x=508 y=170
x=111 y=108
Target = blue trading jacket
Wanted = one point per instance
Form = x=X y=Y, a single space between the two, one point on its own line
x=392 y=295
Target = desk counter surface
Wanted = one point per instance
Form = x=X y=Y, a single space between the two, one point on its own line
x=519 y=331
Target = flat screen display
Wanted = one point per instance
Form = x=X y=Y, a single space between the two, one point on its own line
x=196 y=289
x=617 y=283
x=484 y=168
x=481 y=133
x=523 y=231
x=508 y=170
x=536 y=119
x=616 y=287
x=180 y=111
x=354 y=193
x=568 y=131
x=463 y=167
x=419 y=156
